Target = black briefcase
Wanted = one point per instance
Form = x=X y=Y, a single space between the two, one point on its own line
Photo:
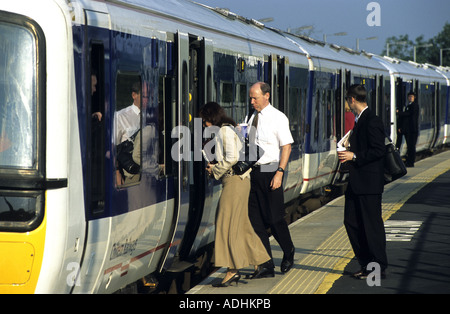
x=394 y=168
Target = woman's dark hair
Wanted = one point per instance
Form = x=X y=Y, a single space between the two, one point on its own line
x=214 y=113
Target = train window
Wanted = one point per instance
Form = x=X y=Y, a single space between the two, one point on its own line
x=303 y=124
x=241 y=103
x=18 y=98
x=20 y=211
x=226 y=97
x=22 y=121
x=127 y=127
x=442 y=103
x=329 y=110
x=316 y=117
x=209 y=90
x=424 y=105
x=97 y=131
x=387 y=105
x=324 y=112
x=166 y=117
x=294 y=112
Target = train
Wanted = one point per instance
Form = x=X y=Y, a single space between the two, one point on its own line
x=68 y=222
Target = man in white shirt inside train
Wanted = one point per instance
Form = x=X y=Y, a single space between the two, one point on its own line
x=127 y=123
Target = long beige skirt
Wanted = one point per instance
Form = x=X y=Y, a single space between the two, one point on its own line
x=236 y=243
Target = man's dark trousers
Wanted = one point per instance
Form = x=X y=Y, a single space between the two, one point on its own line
x=362 y=217
x=266 y=210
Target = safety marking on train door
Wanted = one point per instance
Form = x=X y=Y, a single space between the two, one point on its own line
x=401 y=230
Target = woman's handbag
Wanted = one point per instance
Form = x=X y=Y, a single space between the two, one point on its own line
x=394 y=168
x=248 y=155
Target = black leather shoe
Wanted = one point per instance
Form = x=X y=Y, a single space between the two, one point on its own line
x=288 y=261
x=265 y=270
x=364 y=273
x=361 y=274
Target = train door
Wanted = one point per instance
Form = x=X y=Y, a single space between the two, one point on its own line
x=180 y=153
x=96 y=72
x=278 y=79
x=203 y=204
x=194 y=85
x=344 y=119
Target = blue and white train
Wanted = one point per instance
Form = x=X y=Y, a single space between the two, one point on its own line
x=67 y=225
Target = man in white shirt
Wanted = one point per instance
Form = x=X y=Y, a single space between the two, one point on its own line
x=127 y=123
x=266 y=201
x=128 y=120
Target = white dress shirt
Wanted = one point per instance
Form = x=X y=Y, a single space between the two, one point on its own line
x=272 y=132
x=127 y=122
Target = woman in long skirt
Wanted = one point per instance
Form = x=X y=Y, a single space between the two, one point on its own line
x=236 y=243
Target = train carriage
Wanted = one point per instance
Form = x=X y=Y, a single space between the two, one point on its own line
x=431 y=90
x=331 y=70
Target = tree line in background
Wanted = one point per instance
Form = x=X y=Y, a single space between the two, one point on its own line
x=402 y=47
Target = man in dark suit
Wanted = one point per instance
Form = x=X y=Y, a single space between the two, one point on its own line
x=365 y=159
x=409 y=127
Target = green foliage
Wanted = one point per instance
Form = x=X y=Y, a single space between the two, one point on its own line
x=402 y=47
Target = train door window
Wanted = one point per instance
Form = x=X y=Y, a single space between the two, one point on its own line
x=423 y=99
x=241 y=103
x=294 y=112
x=387 y=104
x=329 y=113
x=324 y=110
x=127 y=128
x=226 y=97
x=442 y=103
x=166 y=110
x=303 y=96
x=316 y=116
x=97 y=128
x=399 y=93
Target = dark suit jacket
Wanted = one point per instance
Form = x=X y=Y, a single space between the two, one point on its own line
x=366 y=175
x=409 y=119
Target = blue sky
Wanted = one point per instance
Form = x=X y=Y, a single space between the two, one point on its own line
x=397 y=17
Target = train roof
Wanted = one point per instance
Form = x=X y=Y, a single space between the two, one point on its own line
x=224 y=22
x=335 y=53
x=215 y=20
x=409 y=69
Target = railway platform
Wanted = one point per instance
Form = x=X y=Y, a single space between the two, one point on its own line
x=416 y=211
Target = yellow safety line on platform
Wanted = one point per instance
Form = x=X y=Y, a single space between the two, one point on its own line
x=318 y=271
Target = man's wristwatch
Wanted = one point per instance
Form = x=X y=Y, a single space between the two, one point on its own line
x=280 y=169
x=354 y=157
